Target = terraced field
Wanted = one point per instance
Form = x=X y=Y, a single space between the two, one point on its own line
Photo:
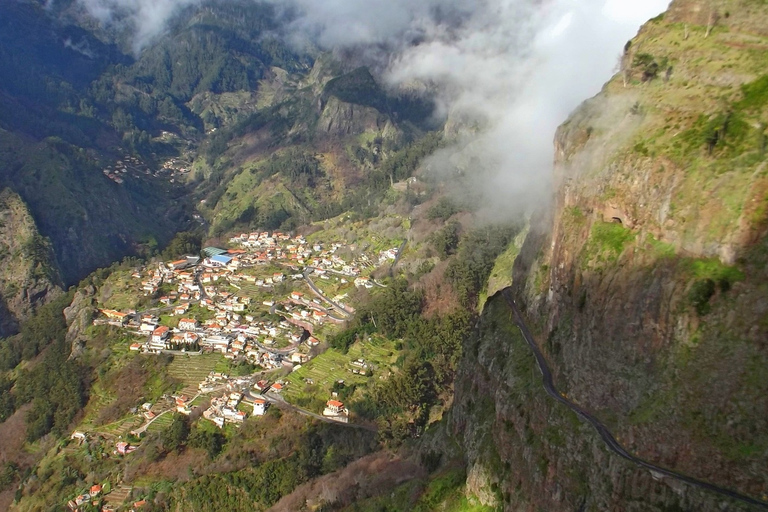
x=122 y=426
x=191 y=370
x=332 y=366
x=161 y=423
x=118 y=495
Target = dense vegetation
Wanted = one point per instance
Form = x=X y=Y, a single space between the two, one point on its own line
x=314 y=450
x=56 y=386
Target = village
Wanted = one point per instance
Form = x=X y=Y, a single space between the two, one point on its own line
x=130 y=165
x=258 y=302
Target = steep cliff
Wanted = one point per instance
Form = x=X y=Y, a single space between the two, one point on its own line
x=645 y=284
x=28 y=276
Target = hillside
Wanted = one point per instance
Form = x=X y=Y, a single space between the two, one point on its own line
x=645 y=285
x=346 y=341
x=28 y=276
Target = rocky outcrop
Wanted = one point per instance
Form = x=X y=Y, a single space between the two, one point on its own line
x=28 y=277
x=79 y=315
x=645 y=284
x=340 y=119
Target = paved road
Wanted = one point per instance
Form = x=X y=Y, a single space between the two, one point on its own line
x=144 y=427
x=602 y=430
x=320 y=294
x=280 y=403
x=397 y=257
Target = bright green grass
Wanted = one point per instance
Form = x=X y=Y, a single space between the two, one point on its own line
x=332 y=366
x=191 y=370
x=161 y=423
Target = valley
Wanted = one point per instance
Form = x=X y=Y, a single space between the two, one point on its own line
x=306 y=257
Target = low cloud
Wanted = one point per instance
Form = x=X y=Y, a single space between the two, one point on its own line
x=145 y=19
x=511 y=74
x=506 y=72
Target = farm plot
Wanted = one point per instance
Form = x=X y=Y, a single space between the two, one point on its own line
x=161 y=423
x=332 y=366
x=191 y=370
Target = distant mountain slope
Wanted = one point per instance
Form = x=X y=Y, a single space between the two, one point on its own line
x=28 y=276
x=73 y=104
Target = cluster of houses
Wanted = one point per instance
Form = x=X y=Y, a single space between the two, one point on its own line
x=119 y=171
x=218 y=283
x=174 y=168
x=388 y=255
x=87 y=497
x=265 y=247
x=224 y=410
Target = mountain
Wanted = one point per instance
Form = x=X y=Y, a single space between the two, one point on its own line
x=642 y=281
x=87 y=126
x=28 y=278
x=644 y=285
x=56 y=146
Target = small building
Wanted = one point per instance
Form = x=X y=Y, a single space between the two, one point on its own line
x=160 y=334
x=259 y=407
x=179 y=264
x=335 y=410
x=188 y=324
x=220 y=260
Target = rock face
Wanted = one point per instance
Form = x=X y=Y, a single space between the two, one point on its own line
x=28 y=277
x=79 y=315
x=645 y=285
x=340 y=119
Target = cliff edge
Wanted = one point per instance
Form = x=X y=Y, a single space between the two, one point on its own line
x=645 y=284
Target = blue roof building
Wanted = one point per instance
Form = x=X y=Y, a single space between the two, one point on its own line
x=221 y=259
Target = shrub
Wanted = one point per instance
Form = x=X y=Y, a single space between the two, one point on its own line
x=701 y=291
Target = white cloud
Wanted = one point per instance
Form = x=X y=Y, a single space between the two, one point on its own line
x=147 y=19
x=518 y=68
x=515 y=68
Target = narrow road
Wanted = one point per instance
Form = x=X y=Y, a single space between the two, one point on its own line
x=280 y=403
x=397 y=257
x=145 y=426
x=320 y=294
x=602 y=430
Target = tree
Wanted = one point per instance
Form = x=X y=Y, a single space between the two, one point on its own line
x=177 y=433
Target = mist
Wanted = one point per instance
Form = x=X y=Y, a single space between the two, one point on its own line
x=505 y=73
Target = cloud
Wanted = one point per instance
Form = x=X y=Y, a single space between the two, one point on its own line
x=516 y=69
x=146 y=19
x=506 y=72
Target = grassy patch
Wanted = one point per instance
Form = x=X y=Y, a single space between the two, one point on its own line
x=311 y=384
x=607 y=241
x=712 y=268
x=661 y=249
x=501 y=275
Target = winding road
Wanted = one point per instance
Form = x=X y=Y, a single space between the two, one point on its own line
x=602 y=430
x=319 y=293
